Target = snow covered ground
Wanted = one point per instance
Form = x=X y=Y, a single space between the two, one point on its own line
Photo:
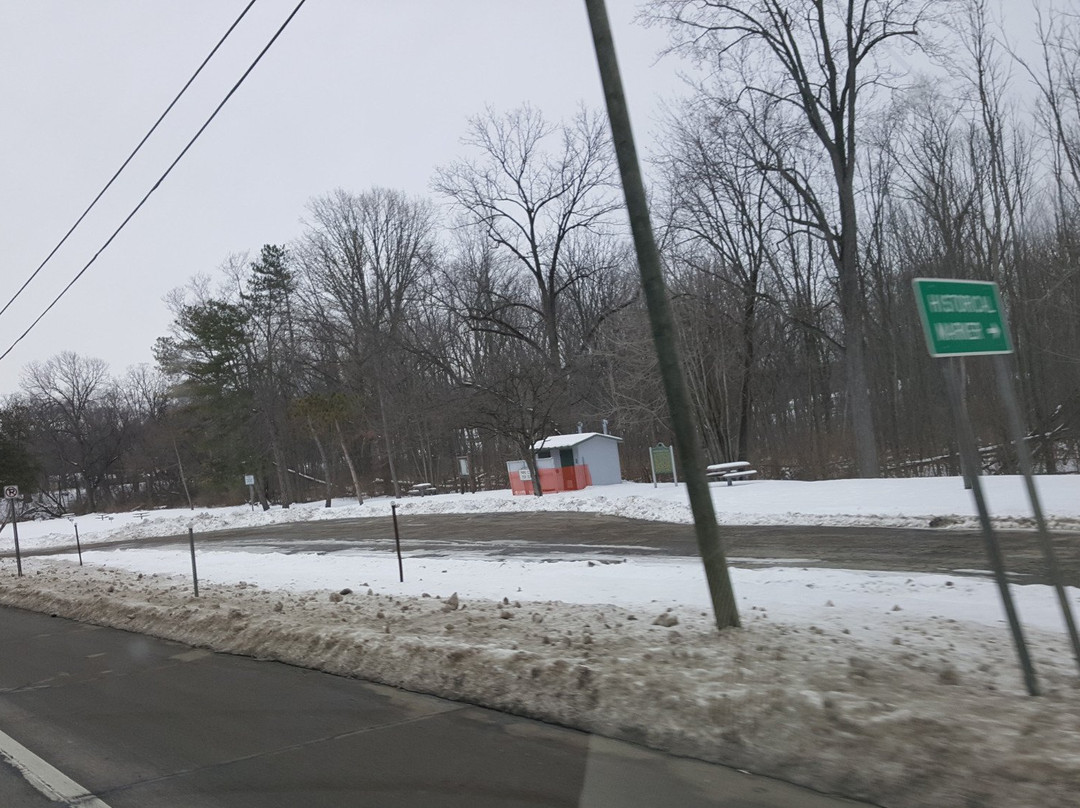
x=880 y=503
x=898 y=688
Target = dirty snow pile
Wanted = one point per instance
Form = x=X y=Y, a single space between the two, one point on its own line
x=900 y=689
x=831 y=683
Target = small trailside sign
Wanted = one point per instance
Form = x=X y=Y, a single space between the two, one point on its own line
x=662 y=460
x=11 y=492
x=961 y=318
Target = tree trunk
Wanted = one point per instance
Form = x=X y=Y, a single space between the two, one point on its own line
x=530 y=461
x=282 y=472
x=386 y=439
x=260 y=491
x=322 y=457
x=852 y=305
x=745 y=390
x=183 y=478
x=349 y=463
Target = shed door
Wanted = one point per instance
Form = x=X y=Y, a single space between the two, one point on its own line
x=566 y=458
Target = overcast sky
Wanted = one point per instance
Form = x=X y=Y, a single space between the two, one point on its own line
x=355 y=93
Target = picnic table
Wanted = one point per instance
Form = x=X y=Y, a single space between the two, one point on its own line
x=730 y=472
x=422 y=490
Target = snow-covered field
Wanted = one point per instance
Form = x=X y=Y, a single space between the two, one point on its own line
x=898 y=688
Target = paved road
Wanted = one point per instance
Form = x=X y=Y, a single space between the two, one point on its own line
x=906 y=549
x=145 y=723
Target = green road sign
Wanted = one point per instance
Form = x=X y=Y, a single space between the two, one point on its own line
x=663 y=462
x=961 y=318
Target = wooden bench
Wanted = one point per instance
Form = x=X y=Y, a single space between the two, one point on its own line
x=729 y=472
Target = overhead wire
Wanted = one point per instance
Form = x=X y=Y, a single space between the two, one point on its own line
x=130 y=157
x=157 y=184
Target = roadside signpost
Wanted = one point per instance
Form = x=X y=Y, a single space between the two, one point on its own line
x=249 y=481
x=397 y=543
x=464 y=474
x=194 y=567
x=11 y=493
x=965 y=318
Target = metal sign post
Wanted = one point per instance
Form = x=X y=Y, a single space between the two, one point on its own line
x=11 y=493
x=1023 y=457
x=463 y=472
x=969 y=453
x=964 y=318
x=194 y=569
x=397 y=543
x=249 y=481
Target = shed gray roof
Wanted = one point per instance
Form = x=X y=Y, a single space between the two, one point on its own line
x=566 y=441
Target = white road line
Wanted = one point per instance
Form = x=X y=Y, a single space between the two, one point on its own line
x=47 y=779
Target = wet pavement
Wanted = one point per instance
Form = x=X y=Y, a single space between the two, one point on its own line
x=556 y=535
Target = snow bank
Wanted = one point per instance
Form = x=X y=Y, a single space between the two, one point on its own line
x=908 y=711
x=872 y=503
x=898 y=689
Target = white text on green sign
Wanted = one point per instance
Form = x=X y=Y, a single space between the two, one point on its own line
x=961 y=318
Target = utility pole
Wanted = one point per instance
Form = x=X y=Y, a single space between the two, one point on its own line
x=662 y=320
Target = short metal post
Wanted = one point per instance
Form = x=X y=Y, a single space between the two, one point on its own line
x=194 y=570
x=965 y=471
x=15 y=532
x=78 y=544
x=397 y=543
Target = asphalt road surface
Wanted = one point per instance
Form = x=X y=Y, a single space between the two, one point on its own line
x=502 y=535
x=118 y=720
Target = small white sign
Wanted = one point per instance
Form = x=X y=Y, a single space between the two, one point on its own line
x=11 y=492
x=249 y=479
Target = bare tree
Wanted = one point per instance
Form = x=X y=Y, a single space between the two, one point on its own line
x=77 y=414
x=813 y=58
x=536 y=191
x=366 y=257
x=723 y=221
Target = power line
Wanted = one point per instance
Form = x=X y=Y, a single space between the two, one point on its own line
x=131 y=156
x=161 y=179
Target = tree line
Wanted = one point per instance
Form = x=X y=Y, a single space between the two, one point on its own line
x=797 y=189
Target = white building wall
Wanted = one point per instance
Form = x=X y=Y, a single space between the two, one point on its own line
x=601 y=455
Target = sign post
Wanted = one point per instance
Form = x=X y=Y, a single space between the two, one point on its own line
x=11 y=493
x=965 y=318
x=1023 y=458
x=397 y=543
x=463 y=472
x=194 y=568
x=969 y=454
x=249 y=481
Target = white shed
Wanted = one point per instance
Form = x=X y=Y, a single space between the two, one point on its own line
x=578 y=459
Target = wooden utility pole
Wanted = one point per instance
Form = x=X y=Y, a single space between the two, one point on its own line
x=662 y=320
